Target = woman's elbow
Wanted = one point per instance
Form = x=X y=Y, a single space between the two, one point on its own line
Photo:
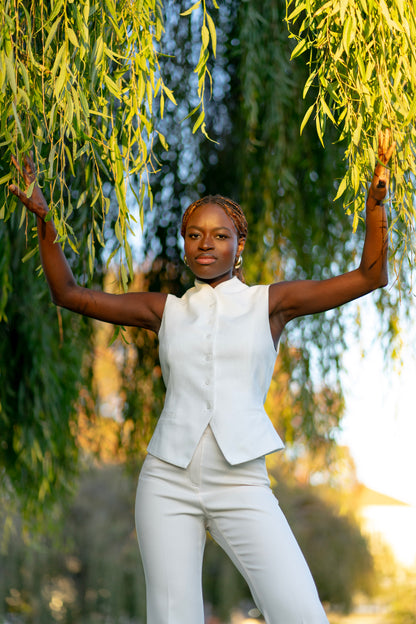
x=64 y=297
x=59 y=300
x=374 y=278
x=384 y=281
x=381 y=281
x=383 y=276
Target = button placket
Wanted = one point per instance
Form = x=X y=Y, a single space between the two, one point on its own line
x=209 y=355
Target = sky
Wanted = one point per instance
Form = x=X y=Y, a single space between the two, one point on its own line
x=379 y=425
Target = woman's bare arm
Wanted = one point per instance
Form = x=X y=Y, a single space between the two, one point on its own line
x=291 y=299
x=140 y=309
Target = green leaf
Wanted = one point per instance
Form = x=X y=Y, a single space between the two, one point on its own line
x=22 y=217
x=30 y=254
x=299 y=7
x=58 y=59
x=341 y=188
x=213 y=34
x=355 y=222
x=193 y=111
x=163 y=141
x=112 y=87
x=170 y=95
x=55 y=11
x=124 y=278
x=343 y=8
x=306 y=117
x=300 y=48
x=308 y=83
x=327 y=110
x=70 y=33
x=6 y=178
x=192 y=8
x=319 y=129
x=198 y=122
x=204 y=36
x=52 y=34
x=357 y=132
x=30 y=188
x=10 y=71
x=60 y=81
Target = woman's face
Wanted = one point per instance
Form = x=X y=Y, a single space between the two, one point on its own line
x=212 y=244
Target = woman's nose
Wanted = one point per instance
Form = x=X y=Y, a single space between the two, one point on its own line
x=206 y=242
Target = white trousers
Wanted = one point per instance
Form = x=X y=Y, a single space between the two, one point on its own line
x=175 y=507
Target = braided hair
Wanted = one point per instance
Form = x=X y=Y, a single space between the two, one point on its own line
x=230 y=207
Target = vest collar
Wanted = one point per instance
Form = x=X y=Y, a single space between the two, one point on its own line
x=232 y=285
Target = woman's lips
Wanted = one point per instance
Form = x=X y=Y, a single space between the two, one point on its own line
x=205 y=259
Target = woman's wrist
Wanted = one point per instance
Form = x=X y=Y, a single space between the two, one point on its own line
x=42 y=214
x=379 y=201
x=377 y=190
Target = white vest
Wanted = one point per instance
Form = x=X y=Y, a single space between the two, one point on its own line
x=217 y=357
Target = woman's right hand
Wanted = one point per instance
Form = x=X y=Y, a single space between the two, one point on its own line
x=380 y=182
x=36 y=203
x=142 y=309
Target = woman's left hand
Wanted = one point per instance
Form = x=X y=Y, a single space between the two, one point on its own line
x=36 y=202
x=381 y=177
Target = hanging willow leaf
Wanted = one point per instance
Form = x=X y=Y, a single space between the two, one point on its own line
x=81 y=86
x=192 y=8
x=362 y=54
x=52 y=34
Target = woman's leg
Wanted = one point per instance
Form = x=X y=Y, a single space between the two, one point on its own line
x=258 y=539
x=171 y=534
x=245 y=519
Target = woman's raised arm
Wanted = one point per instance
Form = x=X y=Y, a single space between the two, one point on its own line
x=139 y=309
x=291 y=299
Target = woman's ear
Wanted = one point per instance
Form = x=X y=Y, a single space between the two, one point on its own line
x=240 y=246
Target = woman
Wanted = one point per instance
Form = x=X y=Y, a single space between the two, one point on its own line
x=206 y=463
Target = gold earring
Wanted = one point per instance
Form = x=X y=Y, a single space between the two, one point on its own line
x=239 y=262
x=185 y=259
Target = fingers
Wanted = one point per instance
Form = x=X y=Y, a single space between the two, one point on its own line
x=18 y=192
x=390 y=151
x=16 y=164
x=381 y=176
x=28 y=172
x=382 y=136
x=30 y=165
x=12 y=187
x=386 y=146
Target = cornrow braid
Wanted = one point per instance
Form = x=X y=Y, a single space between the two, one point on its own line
x=230 y=207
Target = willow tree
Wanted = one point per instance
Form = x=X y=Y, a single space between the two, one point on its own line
x=80 y=85
x=361 y=57
x=87 y=87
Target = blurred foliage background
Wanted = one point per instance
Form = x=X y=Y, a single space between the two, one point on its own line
x=57 y=419
x=88 y=571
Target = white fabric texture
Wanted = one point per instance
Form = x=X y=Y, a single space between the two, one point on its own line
x=217 y=357
x=175 y=507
